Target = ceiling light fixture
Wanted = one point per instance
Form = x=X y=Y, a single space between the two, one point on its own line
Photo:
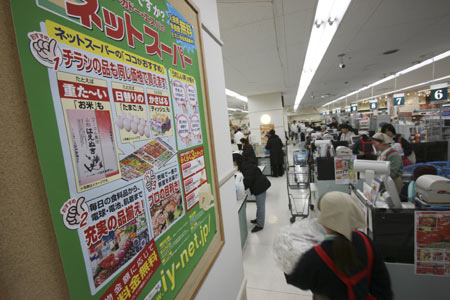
x=235 y=95
x=403 y=72
x=237 y=109
x=329 y=14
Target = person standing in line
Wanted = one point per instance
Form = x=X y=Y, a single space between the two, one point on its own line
x=294 y=130
x=333 y=124
x=275 y=146
x=383 y=144
x=323 y=129
x=363 y=147
x=258 y=184
x=404 y=144
x=247 y=150
x=238 y=135
x=346 y=265
x=346 y=134
x=301 y=131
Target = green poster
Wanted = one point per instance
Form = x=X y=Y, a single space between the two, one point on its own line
x=115 y=95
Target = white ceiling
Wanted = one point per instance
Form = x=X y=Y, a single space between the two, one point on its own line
x=265 y=43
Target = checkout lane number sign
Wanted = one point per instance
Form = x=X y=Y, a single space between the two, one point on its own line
x=373 y=105
x=399 y=99
x=439 y=92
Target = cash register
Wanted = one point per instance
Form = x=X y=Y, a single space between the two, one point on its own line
x=433 y=190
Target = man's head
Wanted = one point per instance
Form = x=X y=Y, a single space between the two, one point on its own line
x=389 y=130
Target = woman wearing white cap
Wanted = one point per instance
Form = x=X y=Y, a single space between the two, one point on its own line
x=383 y=143
x=345 y=265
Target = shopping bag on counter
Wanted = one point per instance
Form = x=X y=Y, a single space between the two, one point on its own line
x=293 y=240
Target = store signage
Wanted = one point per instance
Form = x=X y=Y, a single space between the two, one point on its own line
x=446 y=111
x=354 y=107
x=119 y=90
x=399 y=99
x=439 y=92
x=338 y=110
x=333 y=111
x=348 y=109
x=373 y=104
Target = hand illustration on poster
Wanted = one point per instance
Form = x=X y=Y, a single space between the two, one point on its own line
x=75 y=213
x=45 y=49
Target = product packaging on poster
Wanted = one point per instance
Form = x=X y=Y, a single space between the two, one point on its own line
x=343 y=168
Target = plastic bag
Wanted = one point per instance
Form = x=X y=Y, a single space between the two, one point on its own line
x=294 y=240
x=239 y=185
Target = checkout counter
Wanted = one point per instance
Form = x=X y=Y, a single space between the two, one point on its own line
x=391 y=225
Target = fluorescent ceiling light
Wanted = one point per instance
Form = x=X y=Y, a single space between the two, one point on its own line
x=329 y=14
x=403 y=72
x=237 y=109
x=235 y=95
x=405 y=88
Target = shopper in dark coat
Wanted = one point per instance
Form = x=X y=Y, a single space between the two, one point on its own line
x=363 y=147
x=275 y=146
x=258 y=184
x=345 y=253
x=247 y=150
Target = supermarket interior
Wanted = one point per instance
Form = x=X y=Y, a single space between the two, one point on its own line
x=225 y=149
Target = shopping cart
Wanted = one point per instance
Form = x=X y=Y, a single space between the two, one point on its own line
x=299 y=192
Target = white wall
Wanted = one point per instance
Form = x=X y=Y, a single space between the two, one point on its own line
x=266 y=104
x=226 y=276
x=411 y=104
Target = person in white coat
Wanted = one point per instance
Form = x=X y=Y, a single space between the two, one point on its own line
x=346 y=134
x=238 y=135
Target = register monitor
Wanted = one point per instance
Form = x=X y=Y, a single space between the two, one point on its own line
x=381 y=169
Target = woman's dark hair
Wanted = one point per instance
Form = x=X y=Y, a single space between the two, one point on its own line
x=238 y=159
x=344 y=255
x=388 y=127
x=423 y=170
x=244 y=141
x=272 y=132
x=345 y=126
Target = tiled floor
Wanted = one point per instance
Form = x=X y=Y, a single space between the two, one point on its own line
x=265 y=280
